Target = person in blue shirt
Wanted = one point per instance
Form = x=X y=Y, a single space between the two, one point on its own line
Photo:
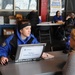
x=57 y=18
x=59 y=29
x=22 y=36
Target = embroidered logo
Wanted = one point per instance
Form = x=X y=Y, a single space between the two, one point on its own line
x=3 y=44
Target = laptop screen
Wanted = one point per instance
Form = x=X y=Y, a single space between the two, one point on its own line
x=29 y=51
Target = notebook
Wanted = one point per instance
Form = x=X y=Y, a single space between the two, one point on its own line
x=29 y=52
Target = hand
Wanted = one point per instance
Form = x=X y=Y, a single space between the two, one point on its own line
x=3 y=60
x=68 y=17
x=47 y=56
x=60 y=22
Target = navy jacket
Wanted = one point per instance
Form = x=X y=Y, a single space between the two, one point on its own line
x=6 y=48
x=56 y=18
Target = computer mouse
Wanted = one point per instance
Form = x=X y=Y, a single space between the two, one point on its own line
x=5 y=63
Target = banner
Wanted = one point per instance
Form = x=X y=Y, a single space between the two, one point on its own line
x=44 y=9
x=55 y=5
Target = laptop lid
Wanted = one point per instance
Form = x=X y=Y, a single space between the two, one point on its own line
x=28 y=52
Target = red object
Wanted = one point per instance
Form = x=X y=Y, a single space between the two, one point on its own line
x=44 y=10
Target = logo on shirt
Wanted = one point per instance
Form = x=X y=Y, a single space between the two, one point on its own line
x=3 y=44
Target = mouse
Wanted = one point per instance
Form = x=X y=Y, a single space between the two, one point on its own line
x=5 y=63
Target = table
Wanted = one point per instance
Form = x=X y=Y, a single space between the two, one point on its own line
x=6 y=26
x=42 y=67
x=49 y=24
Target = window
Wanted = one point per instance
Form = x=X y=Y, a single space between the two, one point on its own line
x=26 y=4
x=14 y=6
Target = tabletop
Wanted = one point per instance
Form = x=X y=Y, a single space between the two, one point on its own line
x=48 y=24
x=42 y=67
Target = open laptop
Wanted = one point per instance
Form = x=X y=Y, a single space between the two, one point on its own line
x=29 y=52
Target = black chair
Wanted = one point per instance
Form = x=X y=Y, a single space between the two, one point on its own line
x=60 y=32
x=44 y=34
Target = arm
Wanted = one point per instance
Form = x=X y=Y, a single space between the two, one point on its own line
x=4 y=50
x=44 y=55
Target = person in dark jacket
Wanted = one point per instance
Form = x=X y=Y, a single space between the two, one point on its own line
x=70 y=22
x=33 y=17
x=23 y=36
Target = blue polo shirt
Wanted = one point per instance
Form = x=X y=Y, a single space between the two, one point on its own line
x=56 y=18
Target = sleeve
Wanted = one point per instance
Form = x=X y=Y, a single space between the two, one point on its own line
x=5 y=47
x=61 y=18
x=69 y=21
x=35 y=41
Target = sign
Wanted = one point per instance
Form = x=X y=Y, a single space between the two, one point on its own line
x=1 y=20
x=55 y=5
x=30 y=52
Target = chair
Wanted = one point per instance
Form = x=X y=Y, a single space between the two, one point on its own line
x=45 y=35
x=60 y=32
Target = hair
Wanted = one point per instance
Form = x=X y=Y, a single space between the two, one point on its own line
x=57 y=12
x=19 y=16
x=23 y=23
x=72 y=14
x=19 y=22
x=73 y=34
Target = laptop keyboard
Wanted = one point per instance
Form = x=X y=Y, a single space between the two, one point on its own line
x=27 y=60
x=49 y=73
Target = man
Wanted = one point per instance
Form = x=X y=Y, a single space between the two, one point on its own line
x=70 y=23
x=69 y=68
x=23 y=36
x=71 y=20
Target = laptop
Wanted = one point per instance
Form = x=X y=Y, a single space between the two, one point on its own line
x=29 y=52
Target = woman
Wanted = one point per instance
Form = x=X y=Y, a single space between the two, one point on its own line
x=58 y=18
x=23 y=36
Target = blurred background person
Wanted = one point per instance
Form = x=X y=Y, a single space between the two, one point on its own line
x=59 y=30
x=71 y=19
x=33 y=17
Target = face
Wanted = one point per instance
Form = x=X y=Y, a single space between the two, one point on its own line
x=72 y=16
x=58 y=14
x=26 y=31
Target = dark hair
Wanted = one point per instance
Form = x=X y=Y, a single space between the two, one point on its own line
x=57 y=12
x=19 y=22
x=23 y=23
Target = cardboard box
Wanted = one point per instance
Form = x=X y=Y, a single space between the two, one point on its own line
x=12 y=20
x=1 y=20
x=8 y=31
